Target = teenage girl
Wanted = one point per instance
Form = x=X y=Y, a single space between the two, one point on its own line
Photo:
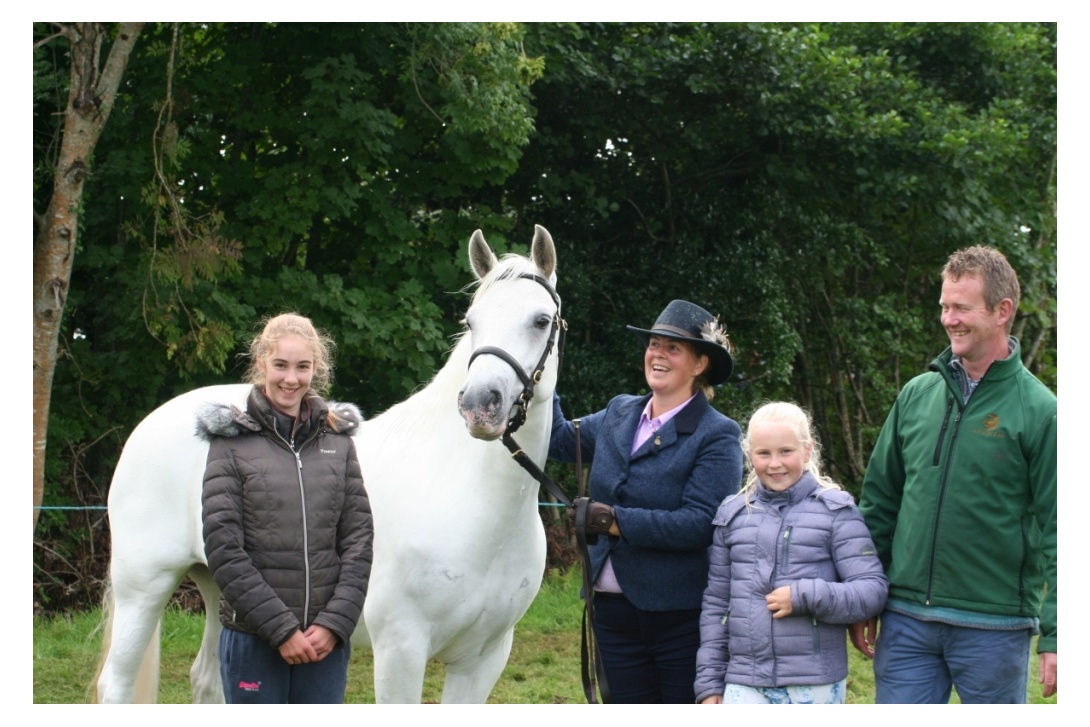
x=287 y=524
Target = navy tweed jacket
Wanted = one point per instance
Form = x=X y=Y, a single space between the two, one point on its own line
x=664 y=495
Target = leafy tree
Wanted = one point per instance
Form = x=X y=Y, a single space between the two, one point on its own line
x=806 y=181
x=248 y=169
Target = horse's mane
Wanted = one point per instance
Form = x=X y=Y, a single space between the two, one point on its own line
x=433 y=405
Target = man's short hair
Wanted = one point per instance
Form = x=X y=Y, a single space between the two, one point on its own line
x=1000 y=280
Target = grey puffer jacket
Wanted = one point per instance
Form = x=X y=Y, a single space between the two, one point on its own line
x=288 y=534
x=810 y=538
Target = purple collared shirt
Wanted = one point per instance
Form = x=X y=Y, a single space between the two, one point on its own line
x=607 y=579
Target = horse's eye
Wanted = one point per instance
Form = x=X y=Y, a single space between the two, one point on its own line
x=466 y=323
x=543 y=322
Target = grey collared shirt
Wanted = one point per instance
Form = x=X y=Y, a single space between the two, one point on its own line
x=968 y=386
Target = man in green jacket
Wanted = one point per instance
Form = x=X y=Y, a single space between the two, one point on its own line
x=960 y=498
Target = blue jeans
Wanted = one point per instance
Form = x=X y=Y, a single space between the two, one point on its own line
x=254 y=673
x=649 y=657
x=917 y=662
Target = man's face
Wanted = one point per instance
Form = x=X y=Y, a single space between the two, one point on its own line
x=977 y=335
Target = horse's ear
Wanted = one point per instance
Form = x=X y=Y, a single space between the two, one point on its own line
x=543 y=252
x=481 y=257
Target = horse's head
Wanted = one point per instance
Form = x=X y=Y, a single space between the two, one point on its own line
x=514 y=326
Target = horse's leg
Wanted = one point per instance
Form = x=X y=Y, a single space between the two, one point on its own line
x=399 y=669
x=399 y=644
x=470 y=680
x=132 y=655
x=204 y=676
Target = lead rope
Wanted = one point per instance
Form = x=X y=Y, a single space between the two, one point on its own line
x=589 y=657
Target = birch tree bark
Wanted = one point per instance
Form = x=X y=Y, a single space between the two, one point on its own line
x=91 y=97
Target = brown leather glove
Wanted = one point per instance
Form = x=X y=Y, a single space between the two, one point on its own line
x=600 y=517
x=597 y=517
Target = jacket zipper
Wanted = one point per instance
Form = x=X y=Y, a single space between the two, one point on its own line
x=780 y=564
x=942 y=433
x=306 y=539
x=303 y=503
x=786 y=546
x=944 y=480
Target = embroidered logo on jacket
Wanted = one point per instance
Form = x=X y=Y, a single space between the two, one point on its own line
x=249 y=686
x=327 y=451
x=990 y=427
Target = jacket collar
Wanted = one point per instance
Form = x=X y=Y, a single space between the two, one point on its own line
x=227 y=420
x=686 y=420
x=683 y=423
x=1000 y=368
x=792 y=495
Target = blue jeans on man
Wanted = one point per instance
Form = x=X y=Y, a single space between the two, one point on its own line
x=917 y=662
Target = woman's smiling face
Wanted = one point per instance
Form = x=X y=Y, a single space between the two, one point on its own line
x=288 y=371
x=671 y=366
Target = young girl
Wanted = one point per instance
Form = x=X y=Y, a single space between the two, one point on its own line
x=287 y=524
x=792 y=563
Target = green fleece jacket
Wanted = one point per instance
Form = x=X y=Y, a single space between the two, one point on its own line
x=960 y=498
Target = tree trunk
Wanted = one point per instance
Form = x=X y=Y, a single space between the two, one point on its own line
x=90 y=99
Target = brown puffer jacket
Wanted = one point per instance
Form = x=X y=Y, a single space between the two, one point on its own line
x=288 y=535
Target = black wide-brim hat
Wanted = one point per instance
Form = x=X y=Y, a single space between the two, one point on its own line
x=685 y=321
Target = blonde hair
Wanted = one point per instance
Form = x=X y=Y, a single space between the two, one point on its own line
x=292 y=324
x=802 y=426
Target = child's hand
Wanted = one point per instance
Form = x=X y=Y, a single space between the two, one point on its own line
x=779 y=602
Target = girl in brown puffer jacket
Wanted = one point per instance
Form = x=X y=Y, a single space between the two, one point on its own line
x=287 y=524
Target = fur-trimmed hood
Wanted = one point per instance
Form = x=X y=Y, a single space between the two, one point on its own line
x=227 y=420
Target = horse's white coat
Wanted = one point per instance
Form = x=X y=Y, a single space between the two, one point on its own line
x=459 y=548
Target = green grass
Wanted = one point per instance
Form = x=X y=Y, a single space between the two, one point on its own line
x=543 y=667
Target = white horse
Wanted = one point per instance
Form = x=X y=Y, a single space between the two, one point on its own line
x=459 y=548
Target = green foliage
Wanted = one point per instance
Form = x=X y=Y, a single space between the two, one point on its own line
x=249 y=169
x=806 y=181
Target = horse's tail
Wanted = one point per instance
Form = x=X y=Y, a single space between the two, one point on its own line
x=146 y=686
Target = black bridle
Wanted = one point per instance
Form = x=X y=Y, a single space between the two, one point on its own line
x=591 y=662
x=529 y=381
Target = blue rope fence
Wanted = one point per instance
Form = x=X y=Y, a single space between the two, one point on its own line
x=69 y=507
